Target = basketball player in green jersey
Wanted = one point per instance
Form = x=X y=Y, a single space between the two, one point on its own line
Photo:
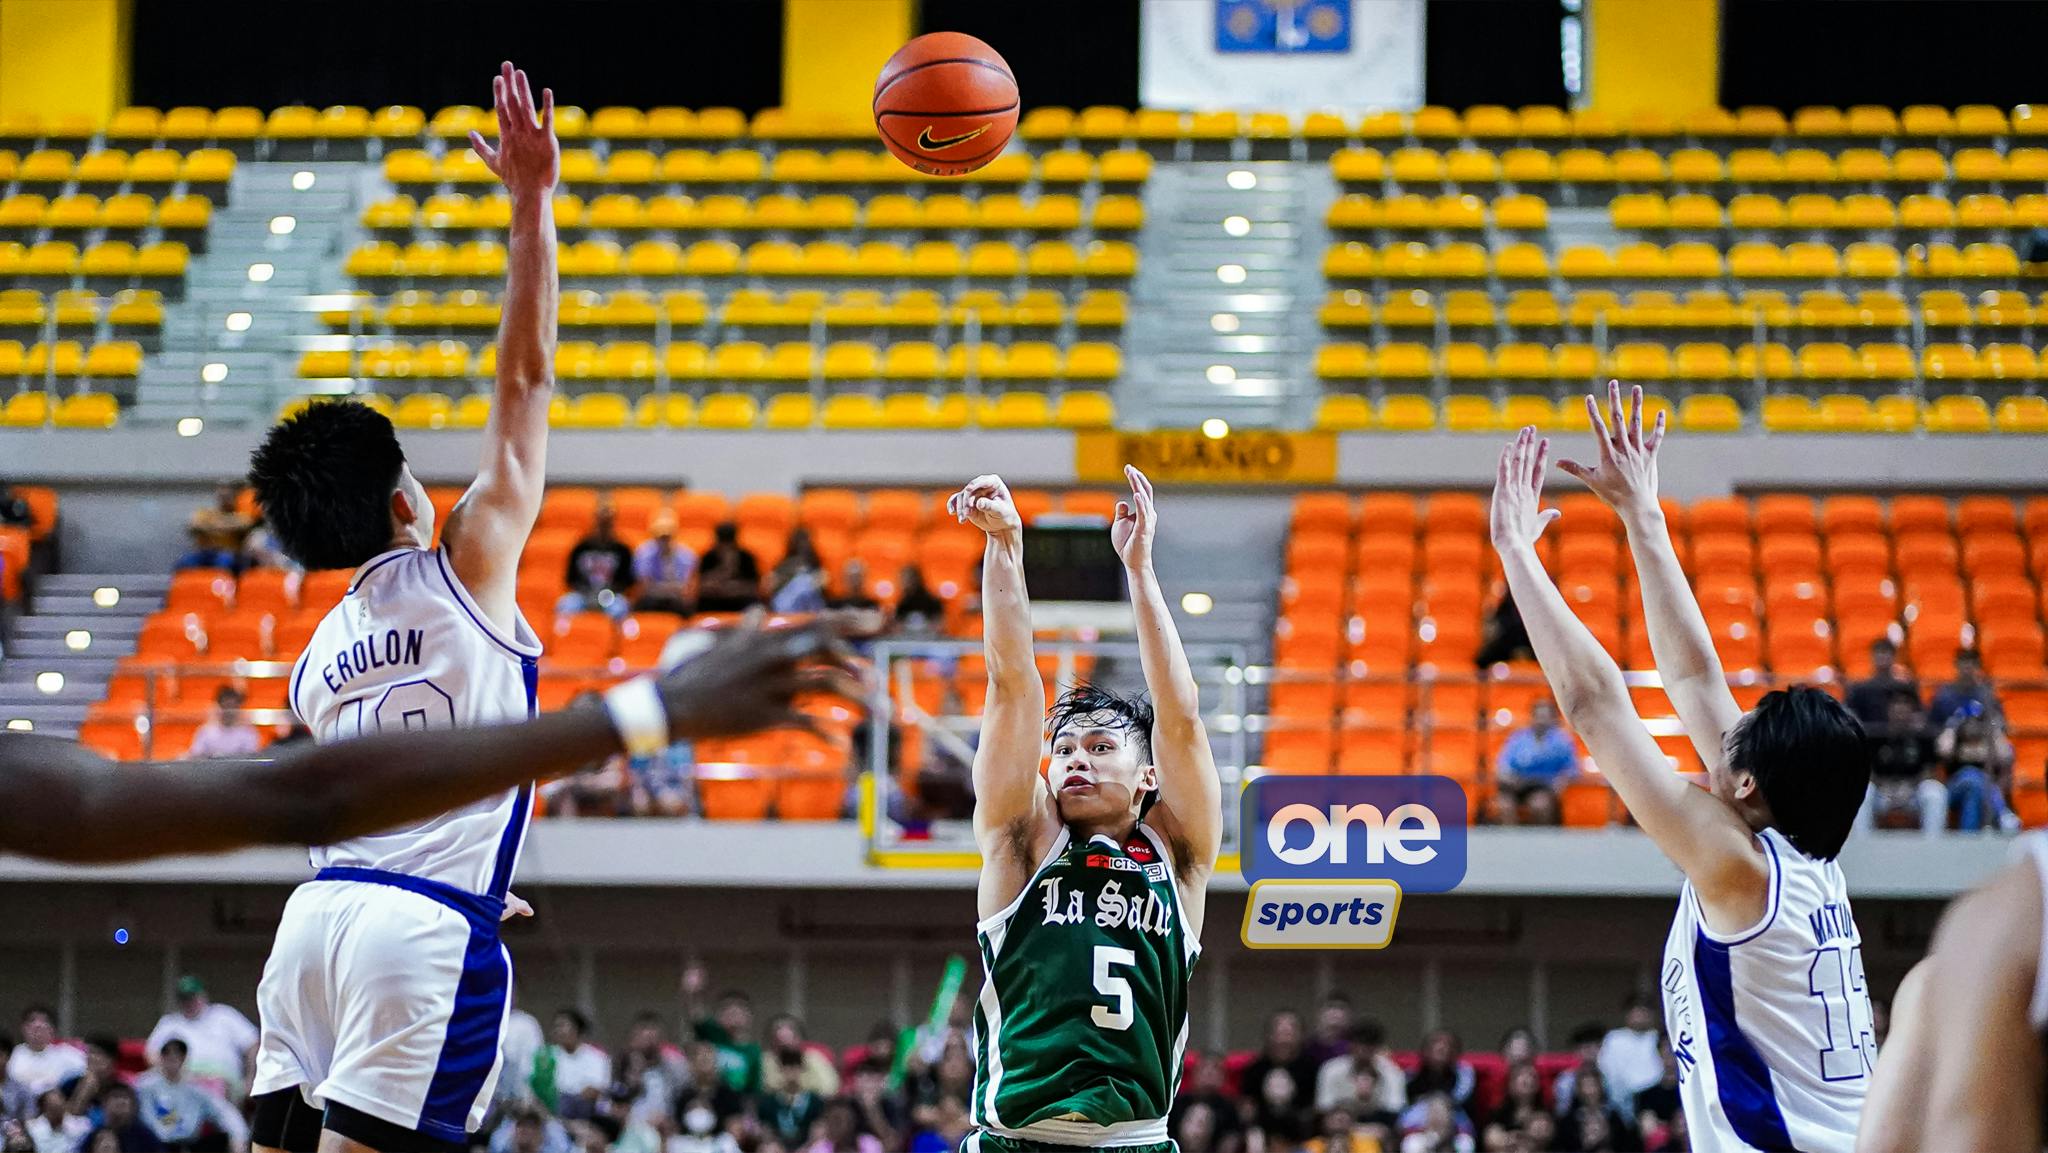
x=1093 y=876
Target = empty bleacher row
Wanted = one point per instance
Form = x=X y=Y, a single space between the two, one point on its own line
x=793 y=361
x=1383 y=606
x=895 y=212
x=385 y=262
x=1749 y=260
x=1050 y=125
x=1025 y=408
x=1820 y=212
x=1992 y=314
x=1588 y=172
x=677 y=169
x=1700 y=412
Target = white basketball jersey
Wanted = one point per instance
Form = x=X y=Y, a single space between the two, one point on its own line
x=408 y=649
x=1771 y=1026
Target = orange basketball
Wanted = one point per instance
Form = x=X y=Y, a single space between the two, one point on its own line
x=945 y=103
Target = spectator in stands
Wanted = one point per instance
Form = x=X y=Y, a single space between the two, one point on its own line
x=1438 y=1129
x=39 y=1064
x=841 y=1131
x=1871 y=698
x=54 y=1129
x=16 y=1101
x=528 y=1129
x=797 y=585
x=946 y=1126
x=1506 y=638
x=947 y=1085
x=1280 y=1105
x=1628 y=1058
x=520 y=1043
x=1658 y=1107
x=707 y=1100
x=664 y=570
x=121 y=1117
x=730 y=579
x=1339 y=1131
x=1336 y=1080
x=919 y=611
x=84 y=1092
x=1280 y=1100
x=260 y=549
x=1443 y=1070
x=731 y=1030
x=217 y=531
x=1591 y=1124
x=648 y=1073
x=1979 y=761
x=853 y=583
x=881 y=1112
x=1970 y=685
x=582 y=1070
x=1193 y=1125
x=227 y=733
x=1203 y=1093
x=791 y=1061
x=220 y=1043
x=1333 y=1029
x=597 y=790
x=1364 y=1105
x=1586 y=1042
x=179 y=1111
x=600 y=570
x=14 y=510
x=1523 y=1099
x=1534 y=766
x=1902 y=764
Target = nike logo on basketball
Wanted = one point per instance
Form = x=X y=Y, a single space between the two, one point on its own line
x=929 y=143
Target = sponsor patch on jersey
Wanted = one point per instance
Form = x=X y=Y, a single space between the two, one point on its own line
x=1154 y=870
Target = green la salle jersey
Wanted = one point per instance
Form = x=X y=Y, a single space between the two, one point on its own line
x=1084 y=1008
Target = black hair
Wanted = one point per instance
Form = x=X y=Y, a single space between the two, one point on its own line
x=647 y=1017
x=1369 y=1031
x=36 y=1008
x=109 y=1045
x=183 y=1049
x=324 y=479
x=1811 y=762
x=577 y=1019
x=1086 y=700
x=726 y=532
x=1589 y=1033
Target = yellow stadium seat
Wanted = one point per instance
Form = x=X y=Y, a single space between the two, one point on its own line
x=1358 y=166
x=1703 y=361
x=87 y=410
x=1697 y=166
x=26 y=410
x=1491 y=122
x=1084 y=408
x=398 y=122
x=1465 y=361
x=1812 y=259
x=727 y=410
x=1756 y=259
x=23 y=211
x=1638 y=210
x=1403 y=361
x=105 y=166
x=1521 y=213
x=1471 y=166
x=1092 y=360
x=1416 y=165
x=853 y=410
x=1344 y=412
x=118 y=358
x=1470 y=414
x=1894 y=414
x=1528 y=166
x=1584 y=166
x=1919 y=166
x=1046 y=124
x=851 y=360
x=2009 y=362
x=1863 y=166
x=1406 y=412
x=1524 y=361
x=135 y=123
x=786 y=410
x=2025 y=414
x=1709 y=412
x=1870 y=260
x=1981 y=120
x=1639 y=166
x=1126 y=166
x=1958 y=414
x=1585 y=262
x=423 y=410
x=182 y=212
x=1014 y=409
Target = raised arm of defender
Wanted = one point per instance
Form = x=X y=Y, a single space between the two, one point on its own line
x=1625 y=477
x=1014 y=817
x=488 y=529
x=1701 y=835
x=1190 y=808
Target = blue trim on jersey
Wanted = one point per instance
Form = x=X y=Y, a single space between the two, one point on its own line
x=481 y=910
x=515 y=826
x=469 y=1050
x=476 y=617
x=299 y=678
x=1740 y=1075
x=374 y=565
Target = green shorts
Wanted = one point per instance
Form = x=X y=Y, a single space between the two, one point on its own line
x=981 y=1141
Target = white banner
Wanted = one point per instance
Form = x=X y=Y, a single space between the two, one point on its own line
x=1281 y=55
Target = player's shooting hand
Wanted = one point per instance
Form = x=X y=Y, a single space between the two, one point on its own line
x=528 y=159
x=1626 y=474
x=1518 y=517
x=1136 y=519
x=751 y=679
x=987 y=505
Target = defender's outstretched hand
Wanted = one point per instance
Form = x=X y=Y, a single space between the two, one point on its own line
x=987 y=505
x=1626 y=473
x=528 y=158
x=749 y=679
x=1518 y=515
x=1136 y=519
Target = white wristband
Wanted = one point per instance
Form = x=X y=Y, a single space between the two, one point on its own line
x=637 y=713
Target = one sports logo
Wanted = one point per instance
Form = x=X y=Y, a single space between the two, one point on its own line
x=930 y=143
x=1329 y=857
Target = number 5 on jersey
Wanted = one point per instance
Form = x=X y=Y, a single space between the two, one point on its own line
x=1116 y=988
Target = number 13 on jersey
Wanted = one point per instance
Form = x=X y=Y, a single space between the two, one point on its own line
x=1836 y=978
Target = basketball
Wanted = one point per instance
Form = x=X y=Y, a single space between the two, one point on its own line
x=946 y=104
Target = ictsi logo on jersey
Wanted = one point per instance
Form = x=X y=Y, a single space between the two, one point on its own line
x=1328 y=857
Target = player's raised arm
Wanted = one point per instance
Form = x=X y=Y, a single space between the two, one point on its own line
x=1701 y=835
x=488 y=529
x=1011 y=803
x=1625 y=476
x=66 y=803
x=1190 y=808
